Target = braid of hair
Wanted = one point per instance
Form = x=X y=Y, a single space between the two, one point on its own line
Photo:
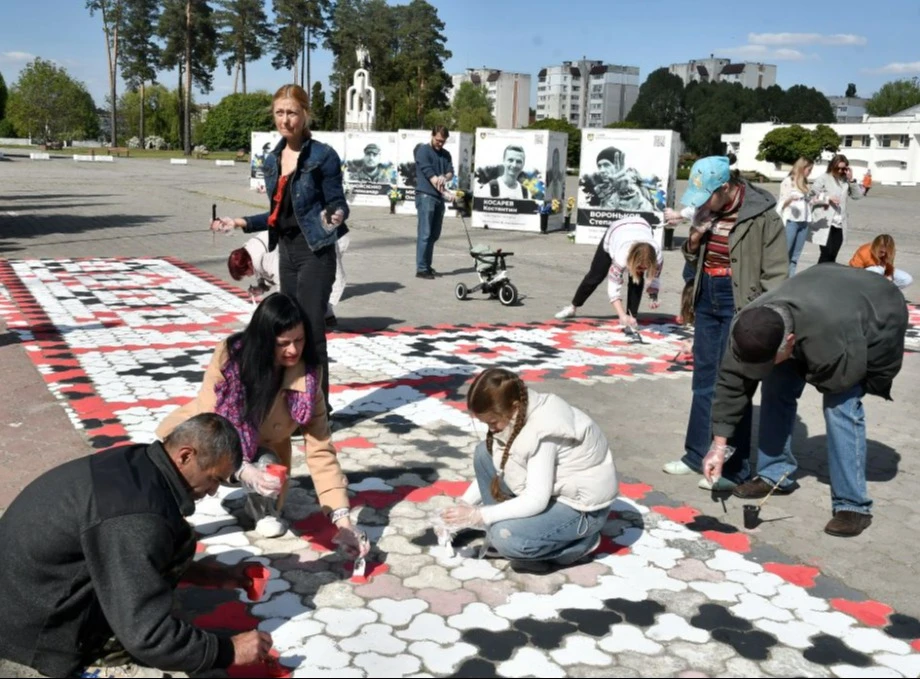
x=518 y=425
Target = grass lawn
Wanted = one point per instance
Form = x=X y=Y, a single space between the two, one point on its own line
x=135 y=153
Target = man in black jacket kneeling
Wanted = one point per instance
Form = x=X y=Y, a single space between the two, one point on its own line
x=93 y=549
x=837 y=328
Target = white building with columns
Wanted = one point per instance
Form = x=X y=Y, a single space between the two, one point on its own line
x=889 y=146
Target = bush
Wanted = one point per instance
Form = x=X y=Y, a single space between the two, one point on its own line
x=7 y=129
x=230 y=124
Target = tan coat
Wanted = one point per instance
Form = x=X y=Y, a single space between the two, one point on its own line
x=277 y=429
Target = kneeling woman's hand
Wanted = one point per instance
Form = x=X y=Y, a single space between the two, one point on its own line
x=352 y=540
x=462 y=516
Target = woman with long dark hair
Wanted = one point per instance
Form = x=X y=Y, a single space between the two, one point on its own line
x=833 y=191
x=260 y=380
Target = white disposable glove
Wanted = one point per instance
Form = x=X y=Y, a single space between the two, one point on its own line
x=462 y=516
x=259 y=481
x=714 y=461
x=353 y=541
x=223 y=225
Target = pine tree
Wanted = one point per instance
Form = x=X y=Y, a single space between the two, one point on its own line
x=244 y=34
x=140 y=55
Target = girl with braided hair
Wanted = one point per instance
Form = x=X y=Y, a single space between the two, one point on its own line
x=545 y=476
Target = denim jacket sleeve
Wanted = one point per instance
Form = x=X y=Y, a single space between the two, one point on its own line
x=333 y=192
x=257 y=222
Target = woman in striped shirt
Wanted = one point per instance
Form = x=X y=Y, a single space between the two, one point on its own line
x=738 y=251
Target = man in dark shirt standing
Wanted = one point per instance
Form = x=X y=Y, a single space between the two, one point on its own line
x=433 y=171
x=93 y=549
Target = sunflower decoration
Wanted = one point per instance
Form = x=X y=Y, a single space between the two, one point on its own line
x=569 y=206
x=396 y=195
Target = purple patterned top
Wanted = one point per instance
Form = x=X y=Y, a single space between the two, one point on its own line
x=231 y=403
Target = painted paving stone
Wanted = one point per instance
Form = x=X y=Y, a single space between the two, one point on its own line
x=669 y=592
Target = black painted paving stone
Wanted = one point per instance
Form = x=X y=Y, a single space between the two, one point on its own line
x=544 y=634
x=903 y=627
x=753 y=645
x=495 y=646
x=476 y=668
x=715 y=616
x=638 y=613
x=593 y=623
x=827 y=650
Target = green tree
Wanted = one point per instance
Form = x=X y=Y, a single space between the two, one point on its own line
x=3 y=97
x=894 y=97
x=851 y=90
x=788 y=144
x=420 y=59
x=243 y=34
x=470 y=109
x=111 y=13
x=299 y=24
x=48 y=104
x=187 y=28
x=623 y=124
x=561 y=125
x=660 y=104
x=320 y=111
x=230 y=124
x=316 y=23
x=140 y=55
x=161 y=113
x=806 y=105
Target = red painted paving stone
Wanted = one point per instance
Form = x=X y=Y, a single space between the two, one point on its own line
x=269 y=668
x=915 y=644
x=736 y=542
x=872 y=613
x=803 y=576
x=318 y=531
x=684 y=514
x=635 y=491
x=372 y=570
x=353 y=442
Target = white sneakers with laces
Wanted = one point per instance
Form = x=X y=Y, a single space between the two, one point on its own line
x=567 y=312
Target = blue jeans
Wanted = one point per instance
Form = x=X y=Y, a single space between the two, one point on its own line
x=715 y=308
x=430 y=219
x=559 y=533
x=795 y=241
x=846 y=437
x=900 y=278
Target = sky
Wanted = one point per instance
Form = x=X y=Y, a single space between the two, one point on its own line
x=823 y=45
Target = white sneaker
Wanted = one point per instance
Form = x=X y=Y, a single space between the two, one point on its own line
x=270 y=527
x=567 y=312
x=720 y=485
x=678 y=468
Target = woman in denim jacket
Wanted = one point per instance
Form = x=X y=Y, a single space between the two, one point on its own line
x=303 y=179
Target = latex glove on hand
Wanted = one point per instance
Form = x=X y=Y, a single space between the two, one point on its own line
x=672 y=216
x=714 y=461
x=352 y=540
x=259 y=481
x=223 y=225
x=628 y=323
x=653 y=302
x=336 y=219
x=462 y=516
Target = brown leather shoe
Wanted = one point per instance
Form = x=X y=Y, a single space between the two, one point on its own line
x=846 y=524
x=756 y=489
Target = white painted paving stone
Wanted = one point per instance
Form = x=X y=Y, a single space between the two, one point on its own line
x=475 y=569
x=669 y=627
x=529 y=662
x=374 y=638
x=442 y=660
x=754 y=607
x=576 y=596
x=231 y=556
x=798 y=599
x=577 y=649
x=764 y=584
x=478 y=615
x=793 y=633
x=719 y=591
x=231 y=536
x=726 y=561
x=376 y=665
x=528 y=605
x=429 y=627
x=287 y=605
x=431 y=576
x=626 y=637
x=908 y=665
x=833 y=623
x=344 y=623
x=870 y=640
x=398 y=613
x=288 y=634
x=312 y=672
x=322 y=653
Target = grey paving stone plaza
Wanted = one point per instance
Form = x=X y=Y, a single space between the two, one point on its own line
x=681 y=588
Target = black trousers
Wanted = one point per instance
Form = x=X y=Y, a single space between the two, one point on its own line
x=597 y=274
x=832 y=248
x=308 y=276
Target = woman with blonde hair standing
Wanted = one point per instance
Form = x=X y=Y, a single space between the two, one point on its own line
x=303 y=179
x=794 y=206
x=833 y=190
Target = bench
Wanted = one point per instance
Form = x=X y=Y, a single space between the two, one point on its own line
x=118 y=150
